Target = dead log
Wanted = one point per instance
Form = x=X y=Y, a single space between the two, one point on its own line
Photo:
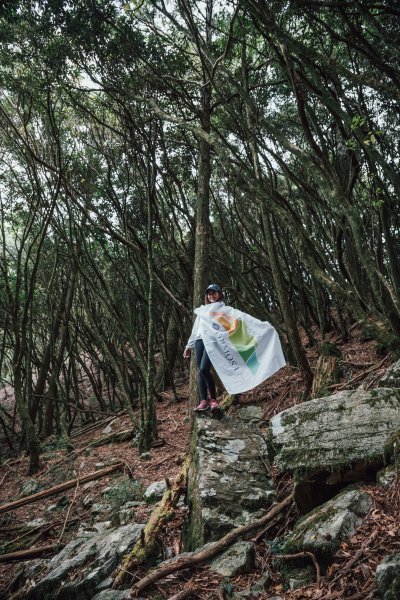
x=29 y=554
x=209 y=551
x=114 y=438
x=58 y=488
x=162 y=513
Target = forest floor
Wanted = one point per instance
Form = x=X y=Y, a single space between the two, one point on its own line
x=347 y=578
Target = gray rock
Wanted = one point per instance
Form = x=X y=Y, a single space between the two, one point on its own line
x=126 y=515
x=325 y=527
x=30 y=487
x=387 y=475
x=93 y=558
x=229 y=481
x=329 y=442
x=332 y=432
x=106 y=584
x=391 y=378
x=87 y=501
x=39 y=522
x=295 y=578
x=145 y=456
x=89 y=485
x=251 y=413
x=155 y=491
x=388 y=578
x=113 y=595
x=100 y=509
x=263 y=582
x=238 y=558
x=59 y=505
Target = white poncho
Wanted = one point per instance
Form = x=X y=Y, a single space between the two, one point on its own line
x=243 y=350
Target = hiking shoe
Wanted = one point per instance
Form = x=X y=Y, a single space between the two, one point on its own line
x=204 y=405
x=215 y=405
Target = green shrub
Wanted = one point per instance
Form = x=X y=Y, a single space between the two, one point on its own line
x=124 y=490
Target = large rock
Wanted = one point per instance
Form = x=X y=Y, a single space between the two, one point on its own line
x=229 y=481
x=329 y=442
x=322 y=531
x=83 y=564
x=388 y=578
x=238 y=558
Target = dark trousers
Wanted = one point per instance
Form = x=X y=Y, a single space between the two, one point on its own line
x=205 y=379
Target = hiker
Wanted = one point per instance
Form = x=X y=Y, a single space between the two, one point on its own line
x=205 y=379
x=244 y=351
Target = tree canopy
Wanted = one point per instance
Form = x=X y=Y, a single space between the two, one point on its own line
x=149 y=148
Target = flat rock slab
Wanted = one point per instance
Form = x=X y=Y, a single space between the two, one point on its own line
x=229 y=483
x=333 y=432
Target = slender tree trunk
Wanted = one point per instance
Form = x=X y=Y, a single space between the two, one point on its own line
x=201 y=258
x=278 y=278
x=58 y=355
x=149 y=424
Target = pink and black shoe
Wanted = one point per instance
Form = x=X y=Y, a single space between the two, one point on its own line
x=204 y=405
x=215 y=406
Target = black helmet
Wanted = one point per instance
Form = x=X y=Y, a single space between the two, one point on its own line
x=214 y=287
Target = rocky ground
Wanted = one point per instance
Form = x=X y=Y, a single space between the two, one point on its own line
x=352 y=574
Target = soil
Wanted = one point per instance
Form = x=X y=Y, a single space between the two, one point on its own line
x=346 y=578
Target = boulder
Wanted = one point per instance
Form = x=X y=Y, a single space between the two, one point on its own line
x=388 y=578
x=238 y=558
x=229 y=479
x=322 y=531
x=83 y=564
x=329 y=442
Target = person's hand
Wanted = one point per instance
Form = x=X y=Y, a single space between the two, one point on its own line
x=186 y=352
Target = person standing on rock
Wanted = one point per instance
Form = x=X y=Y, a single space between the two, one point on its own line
x=243 y=350
x=205 y=380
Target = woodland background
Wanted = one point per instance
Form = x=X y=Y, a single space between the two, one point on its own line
x=150 y=148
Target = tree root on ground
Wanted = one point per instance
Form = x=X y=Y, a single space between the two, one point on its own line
x=209 y=551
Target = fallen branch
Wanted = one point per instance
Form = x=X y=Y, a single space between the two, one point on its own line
x=261 y=534
x=58 y=488
x=97 y=424
x=162 y=513
x=363 y=550
x=303 y=555
x=211 y=550
x=114 y=438
x=28 y=554
x=344 y=385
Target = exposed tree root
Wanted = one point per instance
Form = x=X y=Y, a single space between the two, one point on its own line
x=209 y=551
x=303 y=555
